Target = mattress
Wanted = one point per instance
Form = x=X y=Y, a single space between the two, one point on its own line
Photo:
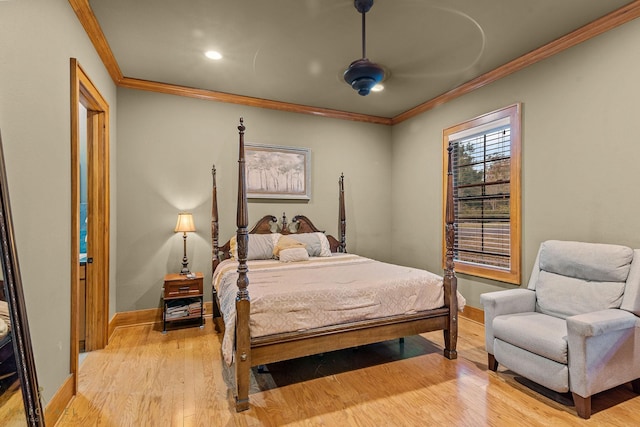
x=323 y=291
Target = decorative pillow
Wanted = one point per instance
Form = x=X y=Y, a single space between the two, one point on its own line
x=286 y=242
x=4 y=311
x=260 y=246
x=4 y=317
x=294 y=254
x=317 y=243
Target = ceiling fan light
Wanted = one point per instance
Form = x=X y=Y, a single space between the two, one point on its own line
x=363 y=85
x=363 y=75
x=212 y=54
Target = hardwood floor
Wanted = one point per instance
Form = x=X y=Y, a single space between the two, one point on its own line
x=145 y=378
x=11 y=405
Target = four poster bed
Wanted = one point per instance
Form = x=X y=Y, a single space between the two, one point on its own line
x=316 y=297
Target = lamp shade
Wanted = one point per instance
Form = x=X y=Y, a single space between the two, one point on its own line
x=185 y=223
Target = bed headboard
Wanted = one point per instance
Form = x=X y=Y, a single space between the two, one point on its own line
x=269 y=223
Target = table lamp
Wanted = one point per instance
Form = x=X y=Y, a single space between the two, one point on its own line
x=185 y=223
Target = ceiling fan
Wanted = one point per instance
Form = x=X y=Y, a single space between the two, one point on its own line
x=363 y=74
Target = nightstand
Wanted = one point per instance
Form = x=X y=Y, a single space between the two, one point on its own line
x=182 y=299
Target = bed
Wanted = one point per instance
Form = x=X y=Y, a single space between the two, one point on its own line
x=334 y=300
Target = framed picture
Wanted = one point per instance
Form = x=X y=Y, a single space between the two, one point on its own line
x=275 y=172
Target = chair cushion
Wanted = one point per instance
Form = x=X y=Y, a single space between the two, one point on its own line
x=564 y=296
x=589 y=261
x=535 y=332
x=547 y=372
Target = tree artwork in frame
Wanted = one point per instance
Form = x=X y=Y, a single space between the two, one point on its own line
x=275 y=172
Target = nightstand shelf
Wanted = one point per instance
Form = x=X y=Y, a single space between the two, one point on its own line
x=182 y=299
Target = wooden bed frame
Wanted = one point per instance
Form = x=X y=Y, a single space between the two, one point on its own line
x=273 y=348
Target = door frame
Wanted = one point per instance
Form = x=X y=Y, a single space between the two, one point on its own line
x=98 y=197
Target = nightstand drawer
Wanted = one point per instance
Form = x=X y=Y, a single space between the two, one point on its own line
x=182 y=289
x=178 y=286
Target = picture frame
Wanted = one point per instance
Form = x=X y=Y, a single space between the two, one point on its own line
x=278 y=172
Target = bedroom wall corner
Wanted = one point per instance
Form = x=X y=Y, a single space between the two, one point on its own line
x=39 y=38
x=579 y=155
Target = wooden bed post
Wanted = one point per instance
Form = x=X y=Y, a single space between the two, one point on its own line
x=243 y=336
x=215 y=258
x=214 y=221
x=343 y=218
x=450 y=280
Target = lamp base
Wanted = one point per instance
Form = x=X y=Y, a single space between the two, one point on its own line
x=185 y=261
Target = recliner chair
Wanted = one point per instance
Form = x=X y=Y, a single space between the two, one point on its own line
x=576 y=326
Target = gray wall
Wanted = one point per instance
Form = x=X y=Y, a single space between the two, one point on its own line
x=37 y=38
x=166 y=147
x=580 y=155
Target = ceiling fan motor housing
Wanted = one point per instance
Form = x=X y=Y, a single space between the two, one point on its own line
x=363 y=75
x=363 y=6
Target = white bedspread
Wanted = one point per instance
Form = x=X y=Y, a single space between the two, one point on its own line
x=323 y=291
x=5 y=321
x=4 y=328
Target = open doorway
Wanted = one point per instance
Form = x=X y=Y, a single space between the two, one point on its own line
x=89 y=217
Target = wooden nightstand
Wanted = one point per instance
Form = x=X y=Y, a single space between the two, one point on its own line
x=183 y=299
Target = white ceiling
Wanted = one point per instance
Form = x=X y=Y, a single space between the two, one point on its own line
x=295 y=51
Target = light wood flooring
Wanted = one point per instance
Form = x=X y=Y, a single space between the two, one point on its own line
x=145 y=378
x=11 y=404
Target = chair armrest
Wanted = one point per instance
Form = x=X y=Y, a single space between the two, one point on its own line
x=602 y=350
x=600 y=322
x=509 y=301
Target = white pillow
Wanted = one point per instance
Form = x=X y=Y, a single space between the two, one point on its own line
x=260 y=246
x=4 y=328
x=317 y=243
x=294 y=254
x=4 y=312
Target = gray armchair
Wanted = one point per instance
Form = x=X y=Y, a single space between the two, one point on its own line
x=576 y=326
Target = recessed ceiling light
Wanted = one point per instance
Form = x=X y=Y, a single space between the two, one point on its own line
x=377 y=88
x=212 y=54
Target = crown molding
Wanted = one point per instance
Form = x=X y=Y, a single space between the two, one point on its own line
x=94 y=31
x=211 y=95
x=601 y=25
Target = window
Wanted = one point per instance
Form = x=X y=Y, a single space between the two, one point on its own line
x=486 y=193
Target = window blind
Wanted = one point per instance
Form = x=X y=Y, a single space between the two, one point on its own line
x=481 y=166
